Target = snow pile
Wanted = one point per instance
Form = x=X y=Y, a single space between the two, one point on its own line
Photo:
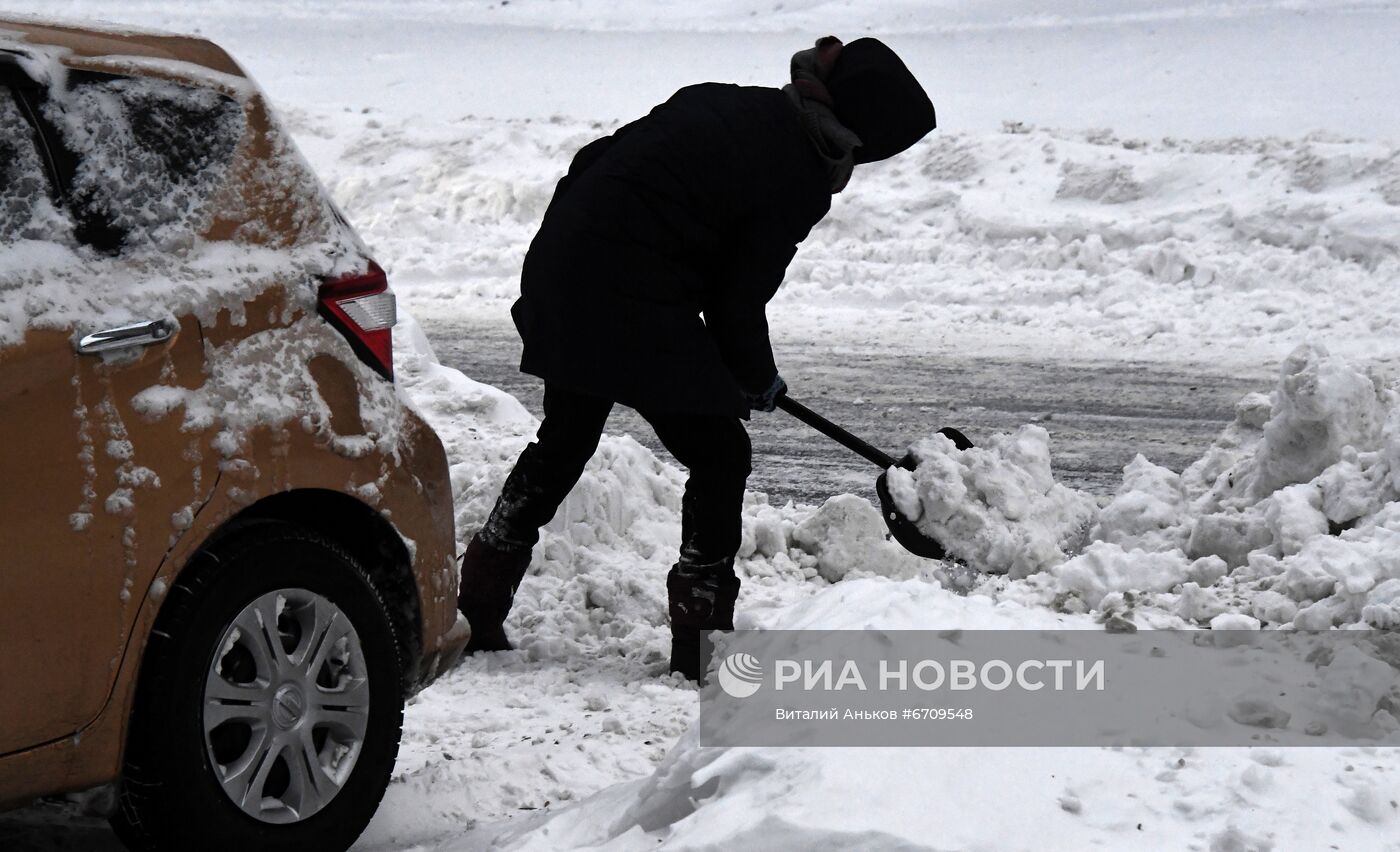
x=845 y=535
x=1290 y=518
x=451 y=209
x=1171 y=246
x=997 y=507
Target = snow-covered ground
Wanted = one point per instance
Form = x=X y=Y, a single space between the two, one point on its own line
x=1183 y=182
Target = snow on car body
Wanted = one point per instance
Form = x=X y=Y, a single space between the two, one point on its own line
x=195 y=361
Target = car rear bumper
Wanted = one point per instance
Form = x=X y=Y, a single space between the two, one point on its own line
x=422 y=510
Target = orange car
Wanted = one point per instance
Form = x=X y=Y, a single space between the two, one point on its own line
x=229 y=551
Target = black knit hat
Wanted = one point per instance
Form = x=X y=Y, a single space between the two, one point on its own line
x=877 y=97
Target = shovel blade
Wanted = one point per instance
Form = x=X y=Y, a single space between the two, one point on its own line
x=903 y=530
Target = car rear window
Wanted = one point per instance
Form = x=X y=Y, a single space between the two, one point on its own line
x=150 y=155
x=27 y=211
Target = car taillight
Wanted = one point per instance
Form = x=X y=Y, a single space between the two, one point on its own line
x=362 y=307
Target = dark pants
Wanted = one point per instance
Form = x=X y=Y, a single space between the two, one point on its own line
x=714 y=449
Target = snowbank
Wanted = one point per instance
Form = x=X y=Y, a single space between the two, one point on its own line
x=1289 y=518
x=1227 y=251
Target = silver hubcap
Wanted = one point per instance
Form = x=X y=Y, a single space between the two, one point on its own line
x=286 y=704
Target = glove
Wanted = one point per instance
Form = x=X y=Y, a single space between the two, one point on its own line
x=768 y=399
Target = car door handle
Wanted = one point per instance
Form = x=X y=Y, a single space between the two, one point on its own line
x=123 y=336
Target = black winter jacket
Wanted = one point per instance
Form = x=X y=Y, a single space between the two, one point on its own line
x=695 y=209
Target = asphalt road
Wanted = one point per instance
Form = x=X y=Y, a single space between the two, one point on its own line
x=1099 y=414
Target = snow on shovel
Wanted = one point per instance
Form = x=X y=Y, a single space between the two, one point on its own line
x=996 y=509
x=901 y=528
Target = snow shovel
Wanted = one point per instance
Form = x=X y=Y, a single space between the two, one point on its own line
x=909 y=536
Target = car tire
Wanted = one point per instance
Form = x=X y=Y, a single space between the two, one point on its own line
x=273 y=775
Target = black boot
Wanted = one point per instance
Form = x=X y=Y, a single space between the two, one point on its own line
x=702 y=600
x=490 y=577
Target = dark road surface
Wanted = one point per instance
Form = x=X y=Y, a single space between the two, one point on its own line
x=1099 y=414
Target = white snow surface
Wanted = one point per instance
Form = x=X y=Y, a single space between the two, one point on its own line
x=1244 y=204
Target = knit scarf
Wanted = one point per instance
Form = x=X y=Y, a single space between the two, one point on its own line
x=835 y=142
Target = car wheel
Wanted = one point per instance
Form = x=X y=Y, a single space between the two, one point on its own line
x=269 y=706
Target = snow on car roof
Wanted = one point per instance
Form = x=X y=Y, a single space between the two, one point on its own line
x=83 y=41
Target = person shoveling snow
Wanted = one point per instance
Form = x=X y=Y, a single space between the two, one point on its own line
x=694 y=209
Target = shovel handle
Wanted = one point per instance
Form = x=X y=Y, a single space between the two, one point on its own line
x=872 y=454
